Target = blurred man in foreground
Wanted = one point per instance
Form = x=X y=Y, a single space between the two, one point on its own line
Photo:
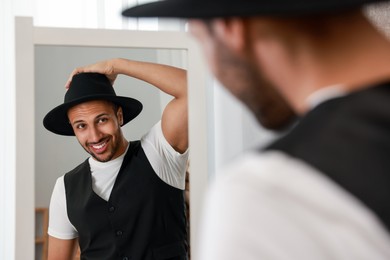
x=322 y=190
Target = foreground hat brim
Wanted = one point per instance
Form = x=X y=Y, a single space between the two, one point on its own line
x=210 y=9
x=57 y=120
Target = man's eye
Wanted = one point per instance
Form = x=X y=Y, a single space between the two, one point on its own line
x=80 y=126
x=102 y=120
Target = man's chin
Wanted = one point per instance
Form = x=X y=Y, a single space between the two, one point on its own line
x=101 y=158
x=280 y=123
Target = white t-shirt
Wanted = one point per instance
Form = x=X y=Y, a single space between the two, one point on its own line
x=168 y=164
x=272 y=206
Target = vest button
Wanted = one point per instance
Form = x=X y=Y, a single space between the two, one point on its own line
x=119 y=233
x=111 y=209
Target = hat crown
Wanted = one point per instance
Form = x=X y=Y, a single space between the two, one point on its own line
x=88 y=84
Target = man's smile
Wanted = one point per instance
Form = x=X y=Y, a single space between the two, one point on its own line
x=99 y=147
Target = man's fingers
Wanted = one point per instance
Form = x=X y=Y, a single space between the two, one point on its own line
x=74 y=72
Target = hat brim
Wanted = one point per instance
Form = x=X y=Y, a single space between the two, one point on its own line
x=211 y=9
x=57 y=120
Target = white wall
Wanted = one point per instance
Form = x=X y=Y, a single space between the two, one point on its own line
x=7 y=132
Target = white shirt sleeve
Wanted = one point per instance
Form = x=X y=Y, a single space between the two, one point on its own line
x=59 y=224
x=168 y=164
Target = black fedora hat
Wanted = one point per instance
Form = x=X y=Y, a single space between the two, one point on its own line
x=88 y=87
x=225 y=8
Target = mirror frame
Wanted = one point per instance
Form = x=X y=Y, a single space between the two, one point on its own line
x=26 y=38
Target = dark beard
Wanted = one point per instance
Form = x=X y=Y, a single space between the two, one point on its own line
x=100 y=160
x=241 y=77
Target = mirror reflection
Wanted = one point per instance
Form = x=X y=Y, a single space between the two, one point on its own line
x=57 y=155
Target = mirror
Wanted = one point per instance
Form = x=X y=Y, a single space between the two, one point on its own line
x=51 y=53
x=54 y=154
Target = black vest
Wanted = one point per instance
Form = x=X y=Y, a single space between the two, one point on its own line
x=143 y=219
x=348 y=140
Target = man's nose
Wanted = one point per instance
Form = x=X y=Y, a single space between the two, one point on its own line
x=94 y=134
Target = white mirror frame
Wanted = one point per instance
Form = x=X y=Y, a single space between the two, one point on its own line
x=26 y=37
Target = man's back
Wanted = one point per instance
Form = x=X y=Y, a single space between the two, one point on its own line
x=320 y=192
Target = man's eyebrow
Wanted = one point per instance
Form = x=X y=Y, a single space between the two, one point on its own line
x=76 y=122
x=102 y=114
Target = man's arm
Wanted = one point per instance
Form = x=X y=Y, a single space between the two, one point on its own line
x=61 y=249
x=168 y=79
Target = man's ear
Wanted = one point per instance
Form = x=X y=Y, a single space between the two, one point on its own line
x=231 y=31
x=119 y=115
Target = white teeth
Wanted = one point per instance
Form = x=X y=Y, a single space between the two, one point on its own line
x=99 y=146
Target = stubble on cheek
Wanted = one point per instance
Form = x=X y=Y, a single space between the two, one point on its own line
x=245 y=80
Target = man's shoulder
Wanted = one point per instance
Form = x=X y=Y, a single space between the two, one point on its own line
x=264 y=165
x=79 y=168
x=261 y=175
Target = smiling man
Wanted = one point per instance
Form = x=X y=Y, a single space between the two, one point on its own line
x=127 y=200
